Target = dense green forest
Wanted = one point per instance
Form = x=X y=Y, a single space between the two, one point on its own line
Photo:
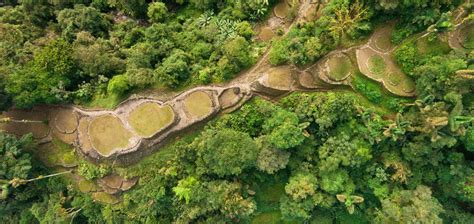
x=359 y=155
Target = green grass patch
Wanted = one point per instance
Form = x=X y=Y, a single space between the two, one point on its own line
x=339 y=67
x=432 y=46
x=108 y=101
x=198 y=104
x=273 y=217
x=108 y=133
x=148 y=118
x=394 y=78
x=377 y=65
x=268 y=194
x=383 y=42
x=467 y=36
x=374 y=93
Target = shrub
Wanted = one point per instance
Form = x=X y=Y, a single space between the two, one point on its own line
x=157 y=12
x=369 y=90
x=118 y=85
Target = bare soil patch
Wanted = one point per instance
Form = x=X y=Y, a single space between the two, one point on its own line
x=280 y=77
x=229 y=97
x=281 y=9
x=266 y=34
x=35 y=122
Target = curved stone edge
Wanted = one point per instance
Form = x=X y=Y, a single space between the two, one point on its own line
x=175 y=120
x=363 y=68
x=145 y=146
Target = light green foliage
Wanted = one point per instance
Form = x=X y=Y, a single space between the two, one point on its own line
x=337 y=182
x=413 y=206
x=341 y=150
x=51 y=210
x=236 y=55
x=301 y=186
x=293 y=210
x=157 y=11
x=325 y=110
x=407 y=57
x=118 y=85
x=244 y=29
x=284 y=130
x=91 y=171
x=142 y=55
x=96 y=57
x=225 y=152
x=220 y=200
x=184 y=188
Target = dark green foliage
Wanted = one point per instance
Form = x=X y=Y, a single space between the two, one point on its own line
x=303 y=159
x=83 y=18
x=437 y=77
x=225 y=152
x=134 y=8
x=174 y=69
x=469 y=139
x=369 y=90
x=15 y=160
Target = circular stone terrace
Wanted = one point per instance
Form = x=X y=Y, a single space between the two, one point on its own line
x=144 y=122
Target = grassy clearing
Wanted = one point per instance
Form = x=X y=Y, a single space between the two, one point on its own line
x=432 y=46
x=394 y=78
x=339 y=67
x=377 y=65
x=39 y=129
x=105 y=198
x=272 y=217
x=108 y=133
x=108 y=101
x=383 y=41
x=267 y=196
x=374 y=93
x=228 y=98
x=148 y=118
x=467 y=36
x=198 y=104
